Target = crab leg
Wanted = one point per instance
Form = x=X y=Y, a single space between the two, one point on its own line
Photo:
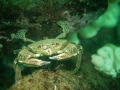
x=78 y=63
x=34 y=62
x=17 y=70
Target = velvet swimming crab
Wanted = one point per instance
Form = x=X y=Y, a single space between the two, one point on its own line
x=54 y=49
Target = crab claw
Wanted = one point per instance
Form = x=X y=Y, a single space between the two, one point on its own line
x=34 y=62
x=59 y=57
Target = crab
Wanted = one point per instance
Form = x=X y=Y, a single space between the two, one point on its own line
x=54 y=49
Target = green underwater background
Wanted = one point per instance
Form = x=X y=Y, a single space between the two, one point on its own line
x=90 y=24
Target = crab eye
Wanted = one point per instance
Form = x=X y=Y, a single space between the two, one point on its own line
x=39 y=46
x=57 y=43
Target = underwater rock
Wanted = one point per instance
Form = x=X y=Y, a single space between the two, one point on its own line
x=48 y=80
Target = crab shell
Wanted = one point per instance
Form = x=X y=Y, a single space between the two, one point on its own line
x=47 y=47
